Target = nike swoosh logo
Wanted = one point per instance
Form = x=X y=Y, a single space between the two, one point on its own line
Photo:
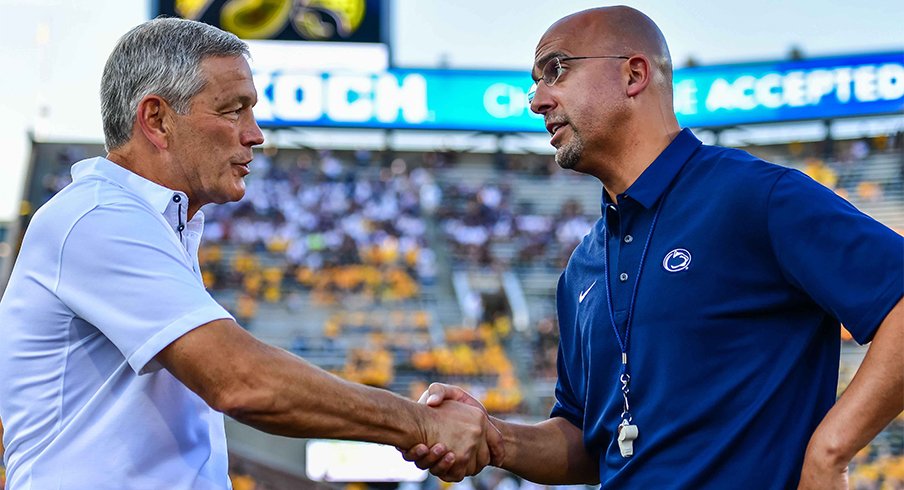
x=584 y=294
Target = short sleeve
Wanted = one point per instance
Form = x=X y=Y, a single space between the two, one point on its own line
x=566 y=405
x=123 y=271
x=851 y=265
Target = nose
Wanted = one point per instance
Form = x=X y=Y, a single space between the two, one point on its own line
x=542 y=102
x=252 y=134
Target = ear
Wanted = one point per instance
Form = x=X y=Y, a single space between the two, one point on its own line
x=153 y=120
x=640 y=74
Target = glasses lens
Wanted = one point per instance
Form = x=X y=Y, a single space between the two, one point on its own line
x=531 y=93
x=551 y=71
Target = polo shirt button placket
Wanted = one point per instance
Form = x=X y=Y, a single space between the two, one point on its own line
x=178 y=199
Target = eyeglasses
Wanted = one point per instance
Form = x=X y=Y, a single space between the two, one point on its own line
x=553 y=69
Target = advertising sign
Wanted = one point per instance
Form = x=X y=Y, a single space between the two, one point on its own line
x=286 y=20
x=496 y=101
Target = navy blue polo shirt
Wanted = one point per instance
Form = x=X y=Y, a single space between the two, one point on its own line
x=734 y=343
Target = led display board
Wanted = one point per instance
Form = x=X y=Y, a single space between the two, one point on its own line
x=496 y=101
x=819 y=88
x=402 y=99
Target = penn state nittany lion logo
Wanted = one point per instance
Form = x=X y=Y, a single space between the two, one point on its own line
x=677 y=260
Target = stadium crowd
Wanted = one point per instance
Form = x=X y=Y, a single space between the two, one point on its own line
x=346 y=229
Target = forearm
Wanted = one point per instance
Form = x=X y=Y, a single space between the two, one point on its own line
x=277 y=392
x=297 y=399
x=551 y=452
x=873 y=398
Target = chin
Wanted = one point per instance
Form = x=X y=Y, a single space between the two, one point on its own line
x=239 y=189
x=232 y=196
x=569 y=156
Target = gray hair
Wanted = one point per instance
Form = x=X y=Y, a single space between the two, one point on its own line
x=162 y=57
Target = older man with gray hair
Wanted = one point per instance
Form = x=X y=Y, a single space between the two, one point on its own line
x=116 y=361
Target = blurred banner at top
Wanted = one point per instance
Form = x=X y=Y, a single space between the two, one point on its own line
x=357 y=21
x=856 y=85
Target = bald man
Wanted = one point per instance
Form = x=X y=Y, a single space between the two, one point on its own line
x=700 y=317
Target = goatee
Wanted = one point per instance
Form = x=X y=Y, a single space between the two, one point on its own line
x=569 y=154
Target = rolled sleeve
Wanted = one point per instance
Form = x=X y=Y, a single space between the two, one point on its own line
x=123 y=271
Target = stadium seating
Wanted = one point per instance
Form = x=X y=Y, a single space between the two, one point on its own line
x=347 y=259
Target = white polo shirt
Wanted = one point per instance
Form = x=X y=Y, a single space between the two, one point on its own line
x=107 y=277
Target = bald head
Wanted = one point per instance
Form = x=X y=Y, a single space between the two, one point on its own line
x=622 y=31
x=604 y=88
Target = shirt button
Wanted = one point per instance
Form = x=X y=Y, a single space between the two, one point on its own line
x=177 y=198
x=629 y=238
x=180 y=227
x=623 y=277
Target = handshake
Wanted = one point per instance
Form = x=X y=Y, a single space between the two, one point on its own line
x=462 y=435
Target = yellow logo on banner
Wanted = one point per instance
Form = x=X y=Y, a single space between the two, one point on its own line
x=312 y=19
x=255 y=19
x=191 y=9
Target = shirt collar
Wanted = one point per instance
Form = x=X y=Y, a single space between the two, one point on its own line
x=657 y=177
x=164 y=200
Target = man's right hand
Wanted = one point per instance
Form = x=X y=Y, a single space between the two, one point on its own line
x=551 y=452
x=441 y=459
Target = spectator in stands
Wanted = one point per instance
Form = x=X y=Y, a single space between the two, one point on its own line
x=572 y=227
x=816 y=169
x=727 y=276
x=535 y=234
x=852 y=161
x=860 y=150
x=547 y=343
x=110 y=341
